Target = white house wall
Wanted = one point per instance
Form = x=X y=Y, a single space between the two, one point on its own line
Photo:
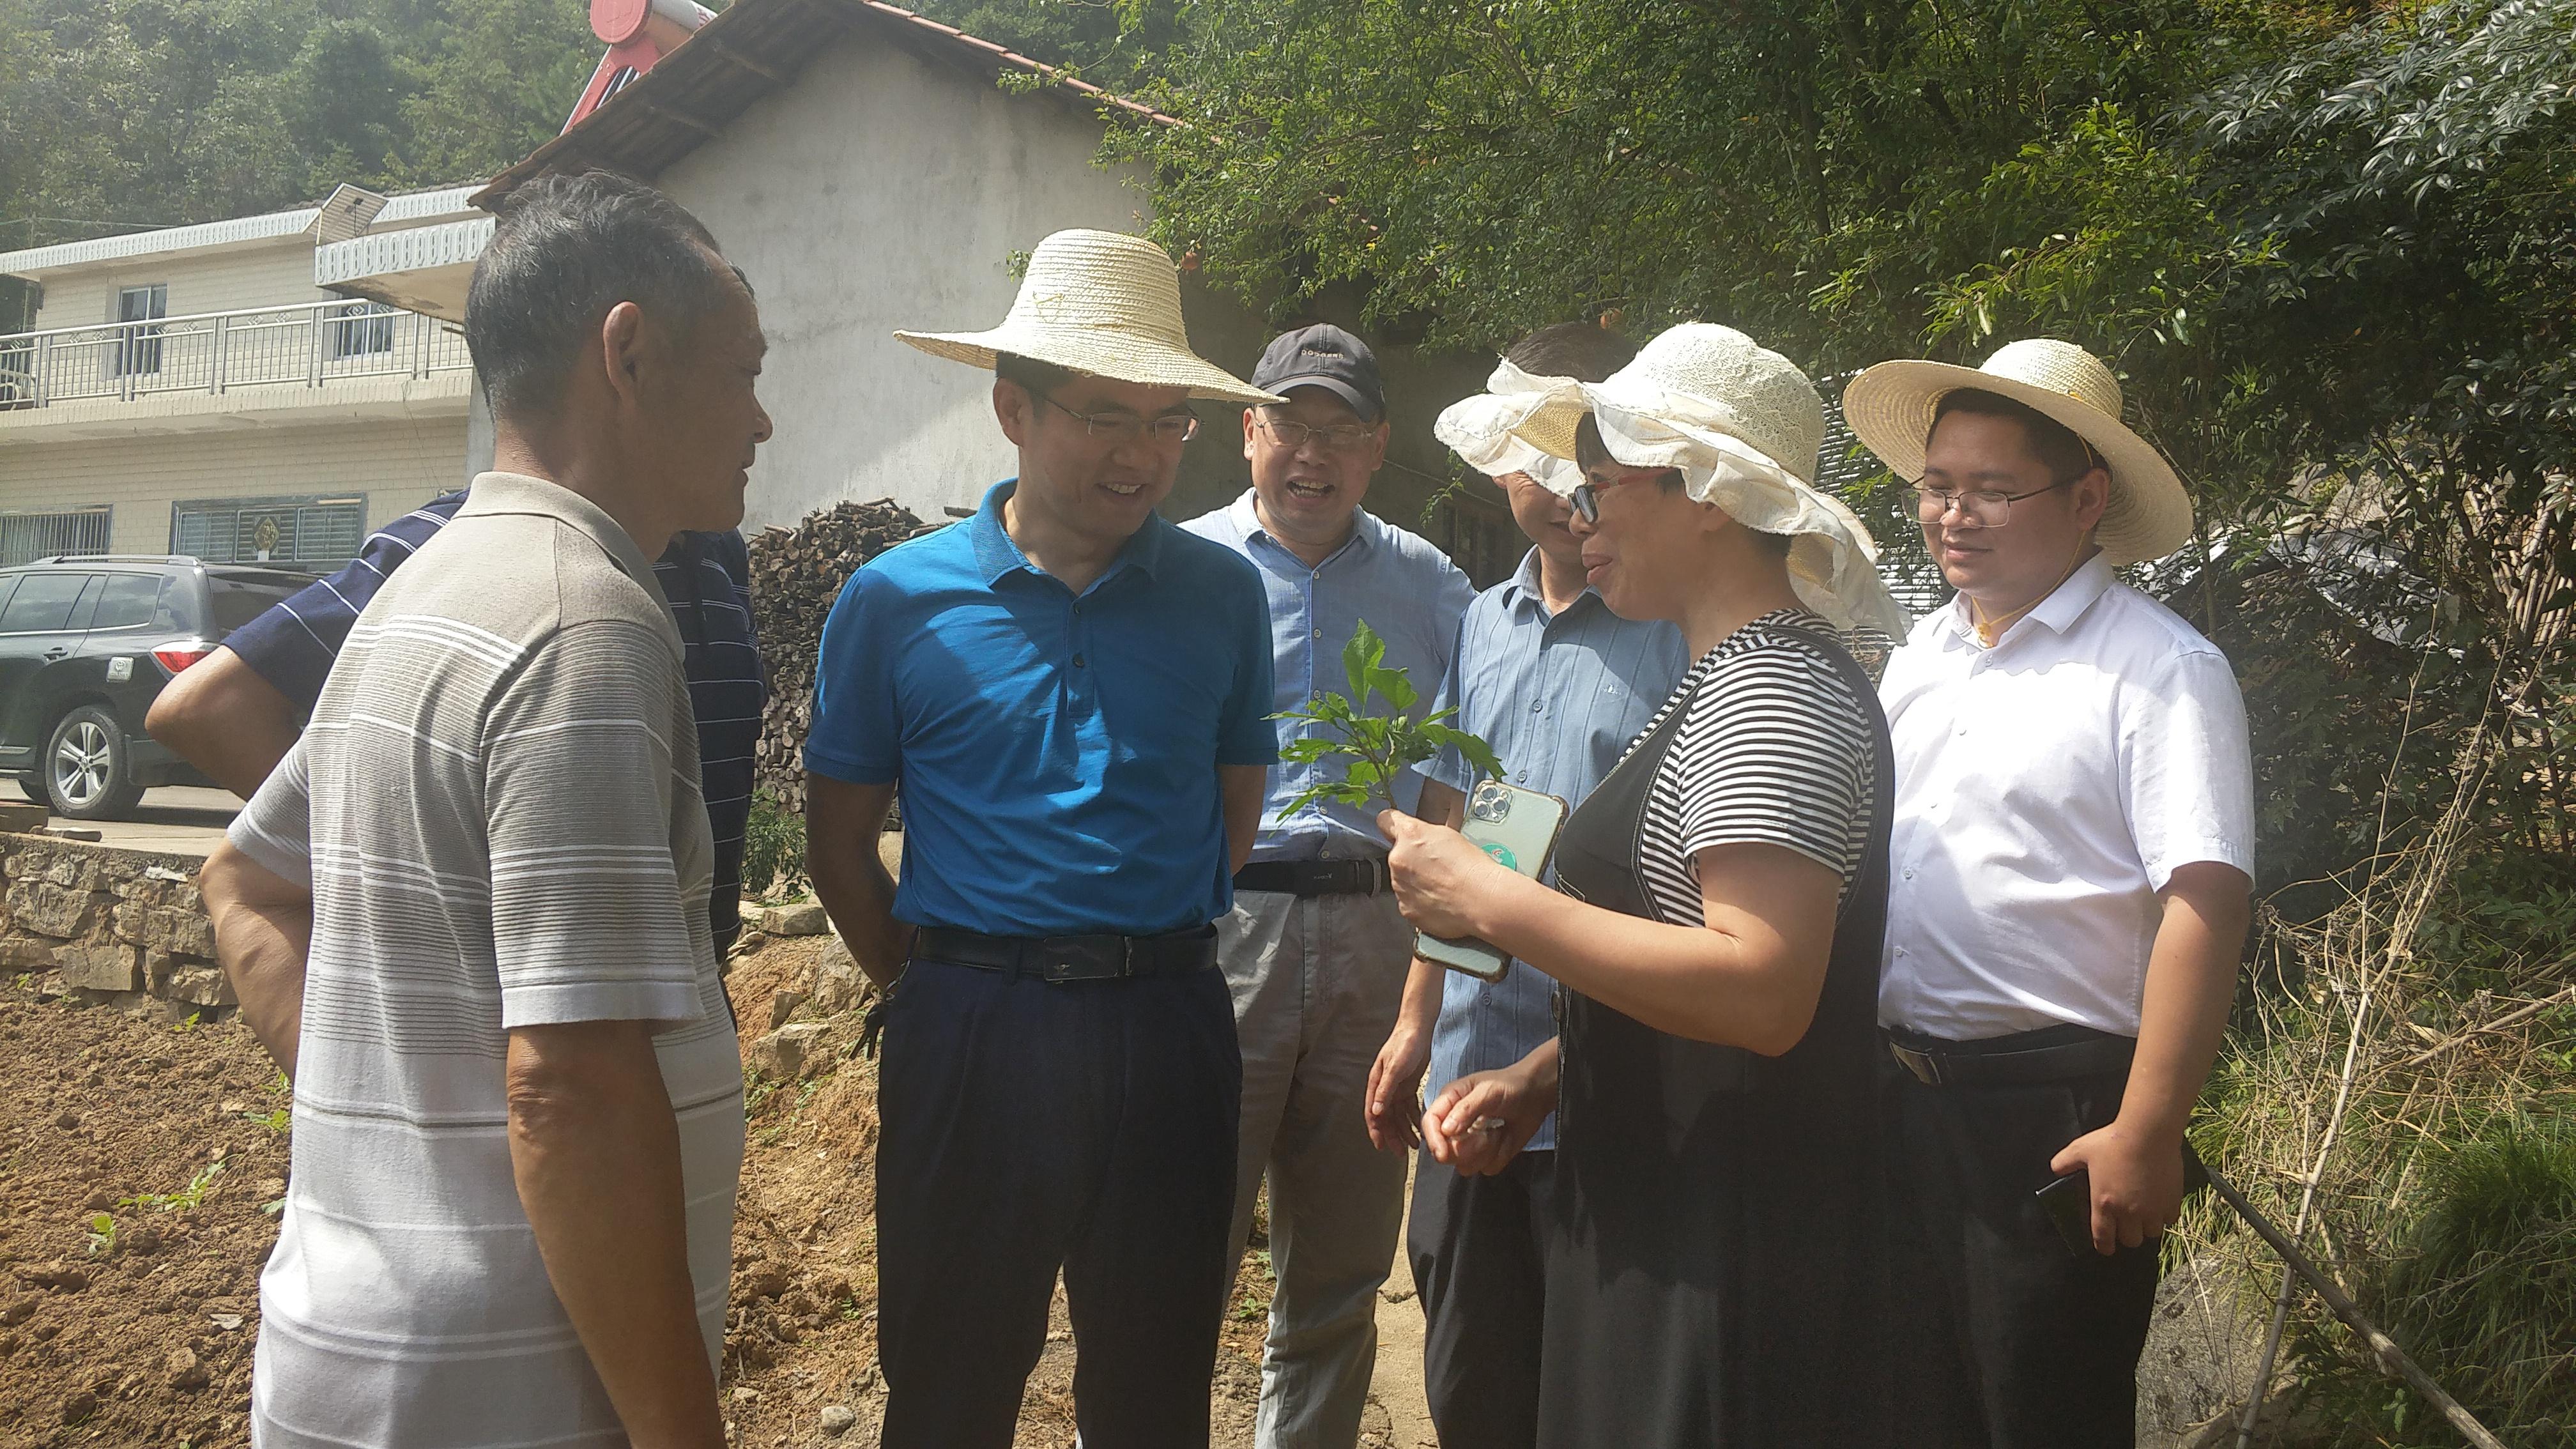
x=398 y=465
x=273 y=273
x=881 y=191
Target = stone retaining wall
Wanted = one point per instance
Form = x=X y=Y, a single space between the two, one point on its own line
x=118 y=927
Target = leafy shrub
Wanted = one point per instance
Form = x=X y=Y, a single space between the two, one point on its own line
x=773 y=849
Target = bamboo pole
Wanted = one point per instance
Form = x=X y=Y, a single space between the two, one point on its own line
x=2391 y=1357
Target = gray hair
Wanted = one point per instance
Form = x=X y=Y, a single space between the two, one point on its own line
x=567 y=249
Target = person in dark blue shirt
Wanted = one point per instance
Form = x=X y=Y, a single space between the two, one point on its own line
x=234 y=713
x=1073 y=695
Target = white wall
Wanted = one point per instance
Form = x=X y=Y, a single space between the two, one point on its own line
x=881 y=192
x=268 y=273
x=398 y=465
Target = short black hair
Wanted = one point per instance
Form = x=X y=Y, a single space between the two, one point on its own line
x=2066 y=456
x=1040 y=379
x=1579 y=350
x=1590 y=451
x=566 y=250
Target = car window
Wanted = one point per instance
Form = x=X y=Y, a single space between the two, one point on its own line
x=235 y=604
x=88 y=604
x=8 y=586
x=43 y=603
x=127 y=601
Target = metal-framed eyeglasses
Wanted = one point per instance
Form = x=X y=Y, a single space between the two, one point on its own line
x=1976 y=507
x=1586 y=497
x=1170 y=429
x=1340 y=437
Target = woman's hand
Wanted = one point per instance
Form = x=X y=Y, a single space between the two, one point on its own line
x=1441 y=881
x=1479 y=1123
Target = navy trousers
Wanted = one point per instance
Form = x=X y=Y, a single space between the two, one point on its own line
x=2022 y=1343
x=1027 y=1129
x=1479 y=1250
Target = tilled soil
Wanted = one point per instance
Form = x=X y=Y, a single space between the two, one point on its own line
x=136 y=1330
x=142 y=1335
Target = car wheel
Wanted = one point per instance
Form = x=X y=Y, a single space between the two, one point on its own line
x=87 y=767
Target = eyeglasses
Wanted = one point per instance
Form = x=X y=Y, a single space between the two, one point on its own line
x=1977 y=507
x=1171 y=429
x=1341 y=437
x=1586 y=498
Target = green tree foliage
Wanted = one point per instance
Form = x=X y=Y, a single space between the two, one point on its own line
x=2324 y=244
x=125 y=113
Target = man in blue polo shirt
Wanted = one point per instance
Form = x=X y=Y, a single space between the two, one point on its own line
x=1559 y=686
x=234 y=713
x=1071 y=694
x=1315 y=949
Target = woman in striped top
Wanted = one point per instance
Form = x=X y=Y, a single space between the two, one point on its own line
x=1715 y=1274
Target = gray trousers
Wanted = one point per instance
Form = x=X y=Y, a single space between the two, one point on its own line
x=1317 y=983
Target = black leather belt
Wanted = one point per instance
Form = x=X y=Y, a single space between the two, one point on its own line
x=1363 y=877
x=1069 y=958
x=2050 y=1054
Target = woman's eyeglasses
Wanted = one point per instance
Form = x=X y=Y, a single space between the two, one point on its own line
x=1586 y=497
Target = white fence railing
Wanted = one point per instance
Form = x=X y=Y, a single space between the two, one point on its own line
x=311 y=344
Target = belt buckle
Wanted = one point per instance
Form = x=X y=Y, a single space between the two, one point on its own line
x=1126 y=957
x=1055 y=964
x=1926 y=1069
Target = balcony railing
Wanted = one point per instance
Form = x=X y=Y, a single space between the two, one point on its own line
x=311 y=344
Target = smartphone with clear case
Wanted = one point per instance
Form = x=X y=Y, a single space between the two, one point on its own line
x=1518 y=828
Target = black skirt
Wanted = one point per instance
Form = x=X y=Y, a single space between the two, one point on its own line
x=1717 y=1275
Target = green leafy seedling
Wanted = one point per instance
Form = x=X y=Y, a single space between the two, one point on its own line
x=1375 y=749
x=184 y=1027
x=102 y=1235
x=186 y=1199
x=276 y=1120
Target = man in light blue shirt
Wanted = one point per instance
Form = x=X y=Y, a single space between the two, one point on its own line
x=1559 y=686
x=1314 y=949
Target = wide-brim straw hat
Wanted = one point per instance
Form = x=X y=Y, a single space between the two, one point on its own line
x=1891 y=407
x=1480 y=429
x=1743 y=426
x=1104 y=303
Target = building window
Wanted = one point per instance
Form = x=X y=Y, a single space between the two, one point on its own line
x=362 y=328
x=315 y=534
x=138 y=347
x=26 y=537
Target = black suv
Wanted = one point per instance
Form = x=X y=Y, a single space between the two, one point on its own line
x=86 y=642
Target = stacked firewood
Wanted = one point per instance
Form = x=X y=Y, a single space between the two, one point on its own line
x=796 y=573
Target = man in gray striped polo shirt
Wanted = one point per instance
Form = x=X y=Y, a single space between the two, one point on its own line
x=518 y=1105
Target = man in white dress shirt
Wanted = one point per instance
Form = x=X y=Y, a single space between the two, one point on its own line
x=2072 y=859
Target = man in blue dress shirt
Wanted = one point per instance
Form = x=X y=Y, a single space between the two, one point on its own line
x=1315 y=949
x=1559 y=686
x=1071 y=693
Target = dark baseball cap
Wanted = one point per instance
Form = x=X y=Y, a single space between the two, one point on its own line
x=1324 y=356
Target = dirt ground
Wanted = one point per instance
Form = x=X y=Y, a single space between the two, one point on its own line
x=139 y=1331
x=136 y=1330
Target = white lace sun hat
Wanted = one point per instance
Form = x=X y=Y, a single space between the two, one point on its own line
x=1891 y=408
x=1104 y=303
x=1742 y=425
x=1479 y=429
